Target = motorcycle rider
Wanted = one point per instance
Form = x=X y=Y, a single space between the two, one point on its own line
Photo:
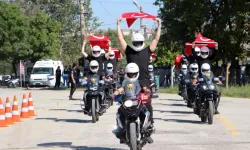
x=137 y=53
x=131 y=88
x=93 y=73
x=206 y=71
x=182 y=77
x=192 y=76
x=114 y=61
x=96 y=55
x=206 y=55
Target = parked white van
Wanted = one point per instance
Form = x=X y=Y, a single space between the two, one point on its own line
x=44 y=73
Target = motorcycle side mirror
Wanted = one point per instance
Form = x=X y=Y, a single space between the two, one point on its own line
x=216 y=79
x=200 y=79
x=101 y=82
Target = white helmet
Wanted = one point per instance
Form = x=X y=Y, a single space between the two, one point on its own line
x=150 y=59
x=204 y=52
x=205 y=68
x=150 y=68
x=137 y=41
x=96 y=51
x=194 y=67
x=131 y=72
x=109 y=67
x=184 y=68
x=112 y=55
x=94 y=66
x=197 y=50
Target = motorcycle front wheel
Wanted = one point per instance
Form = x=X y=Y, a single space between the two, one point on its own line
x=132 y=136
x=95 y=116
x=210 y=112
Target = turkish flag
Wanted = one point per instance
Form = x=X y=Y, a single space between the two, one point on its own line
x=201 y=40
x=132 y=16
x=117 y=52
x=153 y=55
x=99 y=40
x=188 y=48
x=178 y=60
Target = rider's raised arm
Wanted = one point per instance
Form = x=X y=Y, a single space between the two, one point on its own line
x=120 y=59
x=120 y=36
x=154 y=43
x=109 y=50
x=83 y=49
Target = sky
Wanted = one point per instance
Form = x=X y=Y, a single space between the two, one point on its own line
x=108 y=11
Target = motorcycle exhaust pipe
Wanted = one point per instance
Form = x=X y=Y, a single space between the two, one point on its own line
x=119 y=120
x=145 y=124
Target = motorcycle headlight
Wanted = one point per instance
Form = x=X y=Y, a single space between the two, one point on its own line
x=128 y=103
x=93 y=88
x=204 y=87
x=211 y=87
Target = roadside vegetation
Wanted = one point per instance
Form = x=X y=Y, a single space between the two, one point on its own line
x=233 y=91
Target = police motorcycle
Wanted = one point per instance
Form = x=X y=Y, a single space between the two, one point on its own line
x=94 y=103
x=133 y=125
x=207 y=98
x=183 y=83
x=152 y=80
x=110 y=83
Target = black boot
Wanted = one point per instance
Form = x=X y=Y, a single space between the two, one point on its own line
x=217 y=112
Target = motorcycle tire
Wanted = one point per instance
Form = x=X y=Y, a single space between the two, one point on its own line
x=132 y=136
x=210 y=112
x=93 y=111
x=111 y=102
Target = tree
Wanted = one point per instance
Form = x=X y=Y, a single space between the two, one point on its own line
x=25 y=37
x=222 y=20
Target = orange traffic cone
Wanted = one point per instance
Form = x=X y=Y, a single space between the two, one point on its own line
x=15 y=113
x=2 y=116
x=24 y=110
x=30 y=106
x=8 y=115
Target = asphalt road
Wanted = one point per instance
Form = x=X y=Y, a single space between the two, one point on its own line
x=60 y=124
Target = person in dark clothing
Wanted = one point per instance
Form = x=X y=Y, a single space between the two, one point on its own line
x=96 y=55
x=78 y=72
x=58 y=77
x=206 y=55
x=139 y=54
x=73 y=75
x=114 y=61
x=70 y=68
x=66 y=73
x=121 y=75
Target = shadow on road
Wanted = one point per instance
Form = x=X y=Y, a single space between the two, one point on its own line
x=172 y=99
x=66 y=120
x=170 y=104
x=180 y=120
x=174 y=111
x=68 y=110
x=69 y=145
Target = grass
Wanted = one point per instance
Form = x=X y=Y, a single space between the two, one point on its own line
x=233 y=91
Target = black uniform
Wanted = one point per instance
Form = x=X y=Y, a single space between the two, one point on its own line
x=113 y=62
x=100 y=60
x=141 y=58
x=73 y=85
x=58 y=77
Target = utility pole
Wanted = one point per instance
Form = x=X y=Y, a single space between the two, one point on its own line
x=82 y=20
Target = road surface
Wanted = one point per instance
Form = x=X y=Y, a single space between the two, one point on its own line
x=60 y=124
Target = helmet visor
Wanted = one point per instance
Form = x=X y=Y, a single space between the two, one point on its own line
x=137 y=44
x=93 y=67
x=132 y=75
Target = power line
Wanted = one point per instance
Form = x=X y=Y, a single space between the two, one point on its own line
x=105 y=9
x=125 y=2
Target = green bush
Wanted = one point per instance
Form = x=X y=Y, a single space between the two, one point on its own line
x=233 y=91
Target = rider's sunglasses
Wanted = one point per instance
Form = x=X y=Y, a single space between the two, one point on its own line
x=204 y=53
x=132 y=75
x=194 y=69
x=109 y=68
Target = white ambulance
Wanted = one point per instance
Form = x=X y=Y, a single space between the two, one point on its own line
x=44 y=73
